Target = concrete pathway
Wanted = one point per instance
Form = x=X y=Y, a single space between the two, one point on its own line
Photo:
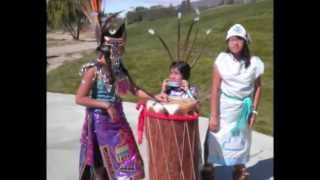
x=64 y=122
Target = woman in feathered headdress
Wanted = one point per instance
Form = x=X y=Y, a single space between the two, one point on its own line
x=108 y=148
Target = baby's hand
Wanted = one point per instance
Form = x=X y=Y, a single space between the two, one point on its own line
x=164 y=85
x=185 y=85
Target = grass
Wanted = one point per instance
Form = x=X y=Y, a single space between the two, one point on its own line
x=148 y=62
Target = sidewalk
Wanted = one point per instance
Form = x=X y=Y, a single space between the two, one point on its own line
x=64 y=121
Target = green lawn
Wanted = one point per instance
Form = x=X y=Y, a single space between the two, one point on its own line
x=148 y=62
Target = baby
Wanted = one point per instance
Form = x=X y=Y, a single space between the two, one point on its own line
x=177 y=85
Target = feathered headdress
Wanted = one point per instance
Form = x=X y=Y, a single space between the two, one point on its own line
x=186 y=47
x=110 y=30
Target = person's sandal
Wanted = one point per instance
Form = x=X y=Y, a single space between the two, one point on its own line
x=207 y=172
x=240 y=173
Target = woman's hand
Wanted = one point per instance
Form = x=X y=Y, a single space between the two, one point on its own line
x=162 y=97
x=214 y=125
x=252 y=120
x=185 y=85
x=112 y=113
x=196 y=106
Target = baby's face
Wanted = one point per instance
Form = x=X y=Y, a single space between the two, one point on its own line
x=175 y=74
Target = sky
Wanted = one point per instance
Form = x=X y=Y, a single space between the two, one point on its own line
x=118 y=5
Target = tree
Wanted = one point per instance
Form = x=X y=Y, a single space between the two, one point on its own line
x=243 y=1
x=185 y=6
x=137 y=15
x=228 y=1
x=152 y=13
x=249 y=1
x=156 y=12
x=66 y=14
x=188 y=5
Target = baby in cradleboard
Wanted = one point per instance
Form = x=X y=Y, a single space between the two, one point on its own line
x=176 y=87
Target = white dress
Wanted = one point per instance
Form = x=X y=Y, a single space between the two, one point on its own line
x=238 y=82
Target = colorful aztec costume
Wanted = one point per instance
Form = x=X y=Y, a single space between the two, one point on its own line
x=105 y=144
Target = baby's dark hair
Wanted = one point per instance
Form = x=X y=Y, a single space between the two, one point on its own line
x=183 y=67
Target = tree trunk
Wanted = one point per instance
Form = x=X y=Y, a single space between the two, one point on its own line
x=248 y=1
x=79 y=25
x=188 y=6
x=78 y=33
x=70 y=29
x=228 y=2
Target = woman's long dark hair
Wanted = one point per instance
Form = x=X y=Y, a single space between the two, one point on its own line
x=109 y=73
x=244 y=54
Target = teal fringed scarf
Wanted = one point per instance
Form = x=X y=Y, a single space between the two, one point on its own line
x=244 y=115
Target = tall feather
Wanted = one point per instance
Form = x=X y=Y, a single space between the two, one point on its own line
x=195 y=60
x=165 y=46
x=178 y=39
x=92 y=10
x=195 y=20
x=187 y=39
x=152 y=32
x=191 y=48
x=106 y=23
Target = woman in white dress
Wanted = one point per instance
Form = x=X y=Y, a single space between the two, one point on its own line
x=236 y=90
